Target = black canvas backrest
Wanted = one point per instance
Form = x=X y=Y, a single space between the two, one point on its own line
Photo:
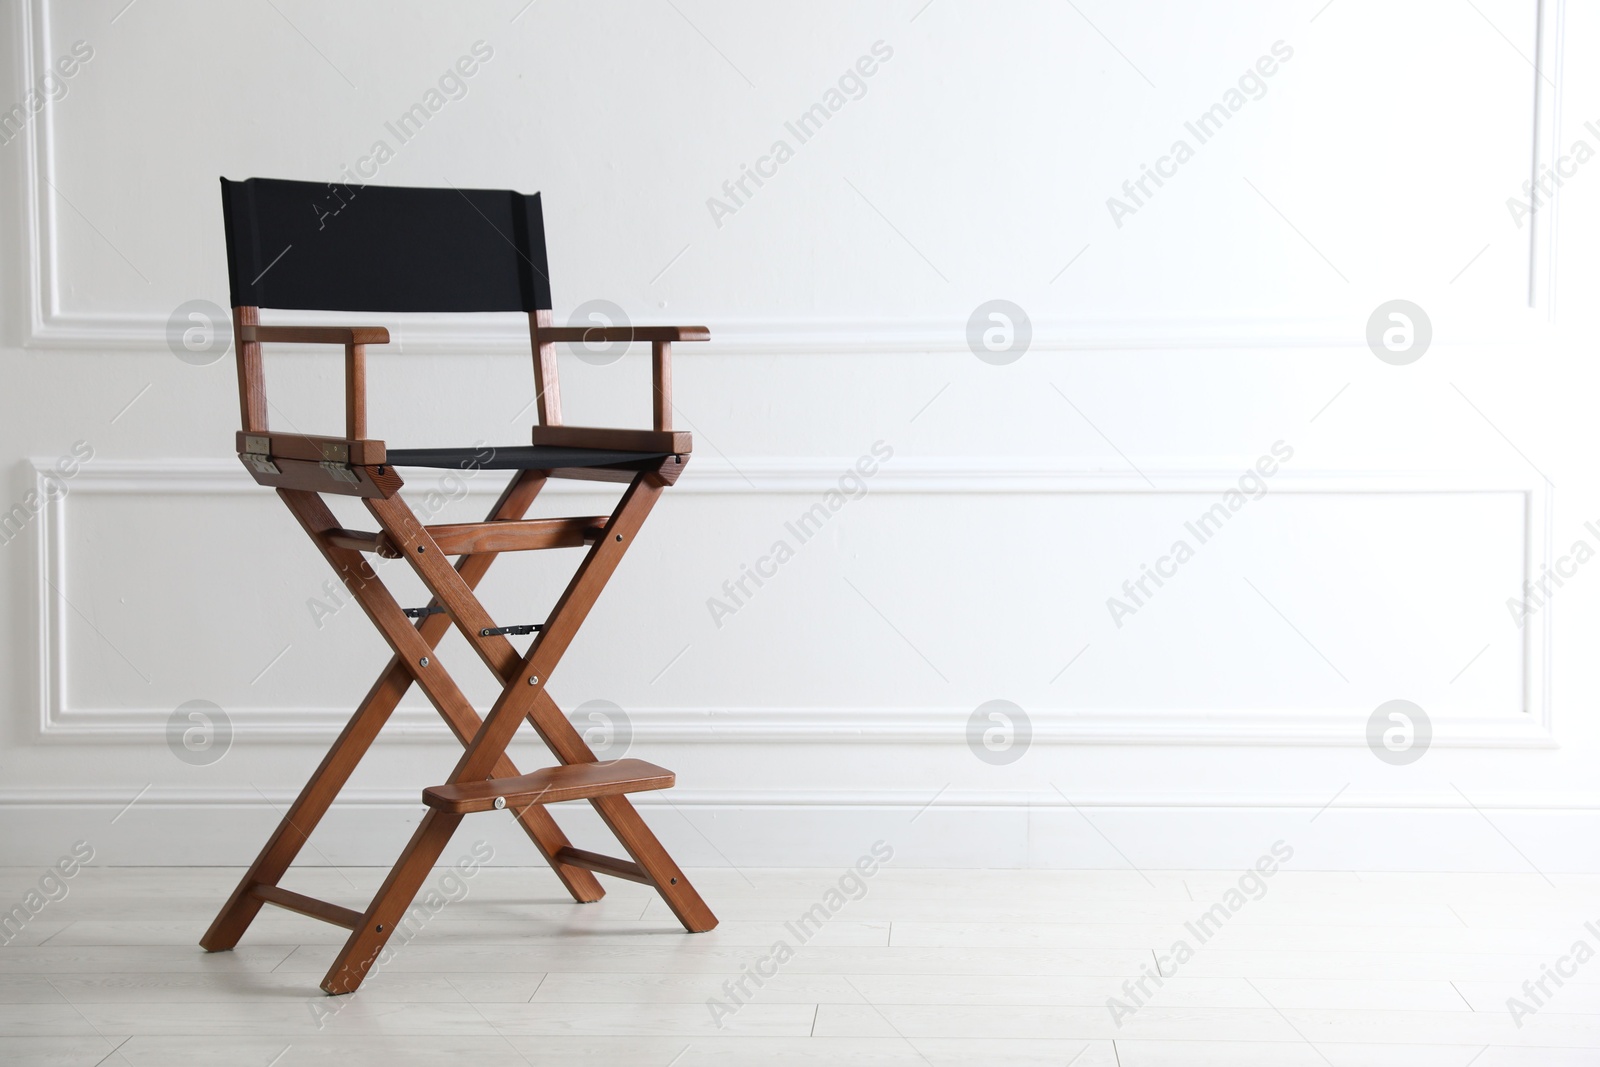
x=335 y=247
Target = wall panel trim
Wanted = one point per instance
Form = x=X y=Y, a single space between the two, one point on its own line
x=48 y=326
x=1529 y=726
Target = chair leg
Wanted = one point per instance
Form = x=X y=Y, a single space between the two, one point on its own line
x=308 y=809
x=339 y=763
x=630 y=829
x=547 y=837
x=329 y=779
x=546 y=717
x=399 y=889
x=523 y=697
x=440 y=689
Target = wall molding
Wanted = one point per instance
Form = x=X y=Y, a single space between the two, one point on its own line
x=1529 y=726
x=431 y=336
x=275 y=799
x=1378 y=831
x=888 y=726
x=48 y=326
x=1549 y=60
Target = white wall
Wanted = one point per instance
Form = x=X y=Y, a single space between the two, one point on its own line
x=1169 y=353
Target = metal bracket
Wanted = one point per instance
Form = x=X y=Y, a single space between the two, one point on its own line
x=341 y=471
x=501 y=631
x=418 y=613
x=257 y=453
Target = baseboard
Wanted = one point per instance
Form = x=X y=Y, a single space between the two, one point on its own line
x=1547 y=836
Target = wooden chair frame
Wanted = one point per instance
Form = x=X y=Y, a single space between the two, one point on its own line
x=302 y=468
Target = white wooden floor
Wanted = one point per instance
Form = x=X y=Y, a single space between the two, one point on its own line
x=929 y=967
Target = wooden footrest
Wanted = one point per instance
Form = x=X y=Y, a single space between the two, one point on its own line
x=575 y=781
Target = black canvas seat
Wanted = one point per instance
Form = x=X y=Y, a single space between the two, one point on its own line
x=525 y=458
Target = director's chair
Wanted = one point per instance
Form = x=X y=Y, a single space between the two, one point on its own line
x=310 y=246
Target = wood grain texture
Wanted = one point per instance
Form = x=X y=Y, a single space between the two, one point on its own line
x=378 y=924
x=312 y=477
x=591 y=474
x=361 y=541
x=607 y=437
x=602 y=864
x=315 y=335
x=316 y=448
x=661 y=386
x=252 y=379
x=304 y=905
x=355 y=391
x=550 y=785
x=600 y=334
x=681 y=897
x=546 y=375
x=665 y=474
x=528 y=534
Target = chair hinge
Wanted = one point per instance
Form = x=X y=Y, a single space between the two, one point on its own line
x=336 y=461
x=341 y=471
x=257 y=453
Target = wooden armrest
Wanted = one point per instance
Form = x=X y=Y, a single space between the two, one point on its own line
x=595 y=334
x=354 y=341
x=546 y=336
x=317 y=335
x=676 y=441
x=311 y=448
x=660 y=338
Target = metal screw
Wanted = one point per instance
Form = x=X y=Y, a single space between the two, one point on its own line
x=423 y=661
x=674 y=881
x=499 y=802
x=380 y=928
x=422 y=548
x=533 y=679
x=619 y=537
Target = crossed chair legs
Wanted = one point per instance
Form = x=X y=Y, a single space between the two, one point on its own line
x=523 y=696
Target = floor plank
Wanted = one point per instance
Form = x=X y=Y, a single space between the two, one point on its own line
x=923 y=968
